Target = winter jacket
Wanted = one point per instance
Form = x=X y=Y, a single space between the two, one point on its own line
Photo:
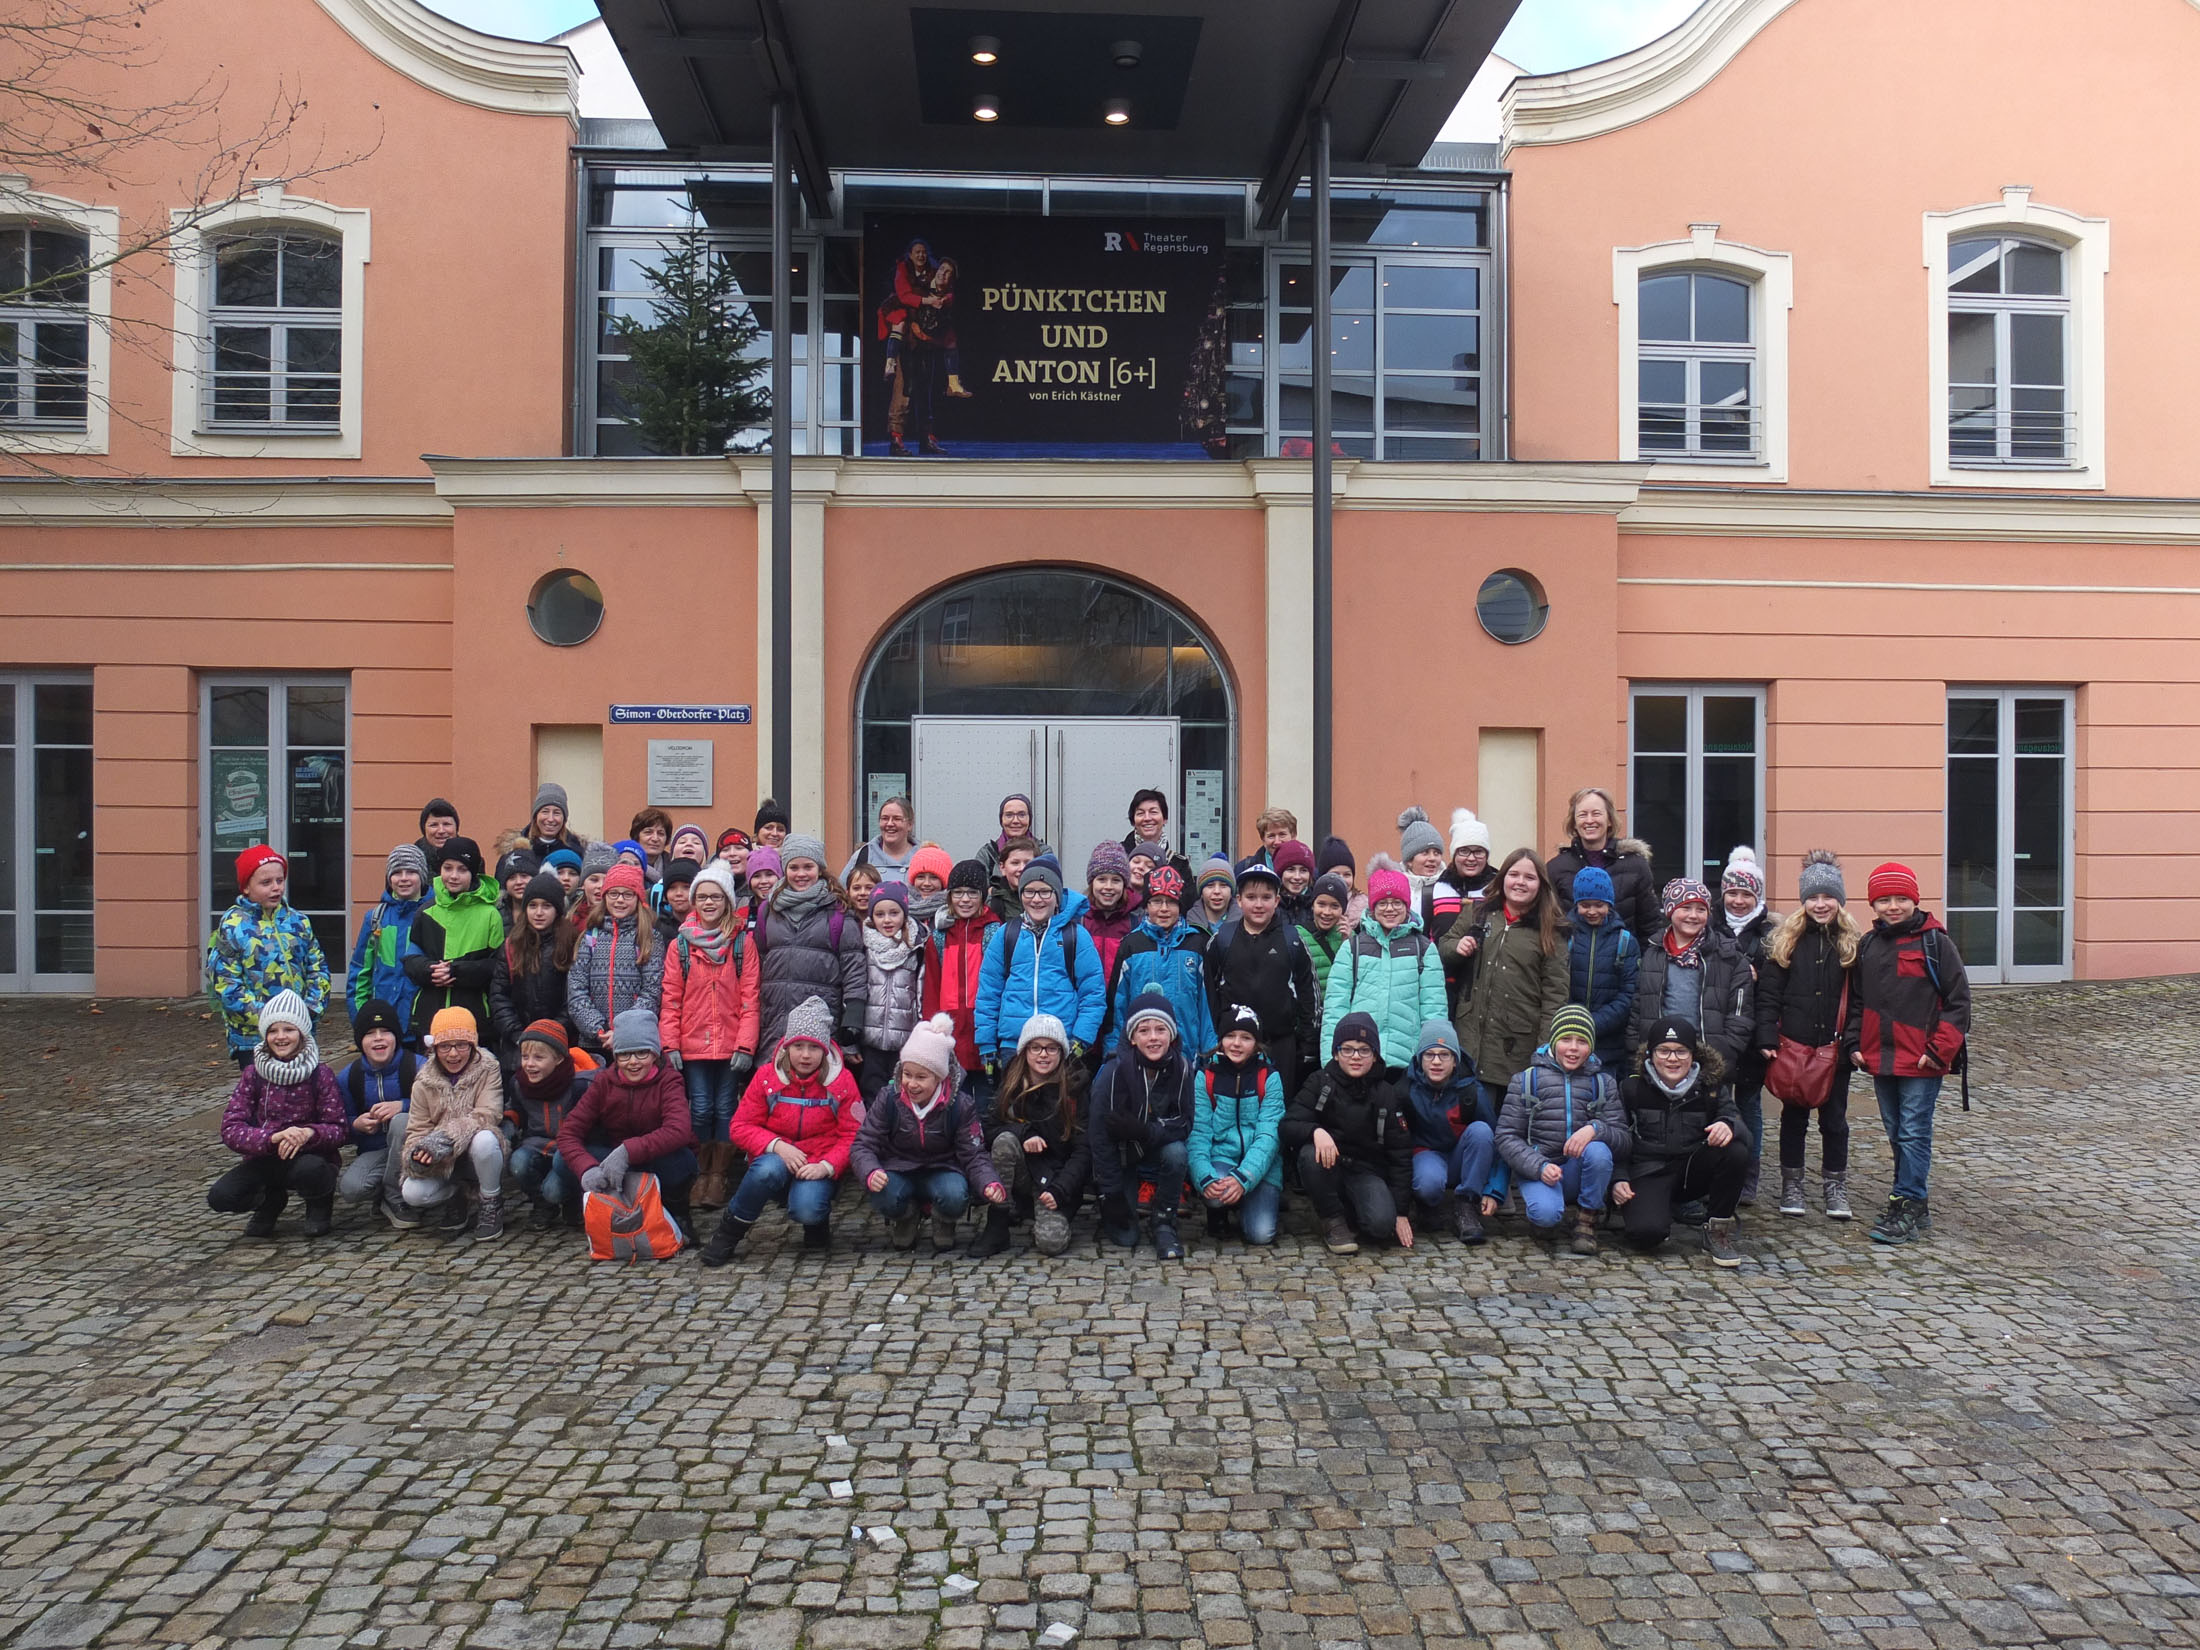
x=1517 y=988
x=1438 y=1116
x=460 y=1106
x=998 y=894
x=378 y=962
x=951 y=975
x=709 y=993
x=465 y=931
x=535 y=1120
x=1237 y=1125
x=1726 y=1013
x=1396 y=977
x=1803 y=1000
x=894 y=1138
x=1138 y=1106
x=1026 y=974
x=259 y=1110
x=251 y=955
x=1545 y=1103
x=1173 y=963
x=1036 y=1110
x=1602 y=963
x=893 y=999
x=610 y=976
x=1749 y=1071
x=649 y=1118
x=1633 y=881
x=1321 y=951
x=1662 y=1129
x=1109 y=931
x=1269 y=973
x=519 y=997
x=889 y=866
x=819 y=1114
x=1365 y=1116
x=364 y=1084
x=818 y=954
x=1445 y=898
x=1897 y=1013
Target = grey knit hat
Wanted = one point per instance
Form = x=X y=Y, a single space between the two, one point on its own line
x=549 y=795
x=287 y=1008
x=803 y=847
x=1821 y=874
x=597 y=858
x=1416 y=835
x=811 y=1022
x=634 y=1030
x=406 y=856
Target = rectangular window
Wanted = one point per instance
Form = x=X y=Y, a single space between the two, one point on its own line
x=2008 y=344
x=45 y=328
x=1696 y=787
x=1696 y=396
x=277 y=339
x=276 y=755
x=2010 y=800
x=45 y=834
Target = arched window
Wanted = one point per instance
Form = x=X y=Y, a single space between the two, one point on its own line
x=2008 y=352
x=1697 y=369
x=276 y=322
x=45 y=327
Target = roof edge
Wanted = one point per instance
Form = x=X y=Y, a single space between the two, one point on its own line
x=513 y=77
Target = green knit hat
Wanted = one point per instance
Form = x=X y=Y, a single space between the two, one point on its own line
x=1573 y=1021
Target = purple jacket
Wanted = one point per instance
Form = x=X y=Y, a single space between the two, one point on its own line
x=896 y=1139
x=258 y=1111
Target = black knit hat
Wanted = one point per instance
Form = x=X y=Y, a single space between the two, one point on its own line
x=1334 y=886
x=769 y=812
x=1356 y=1027
x=681 y=872
x=969 y=874
x=517 y=861
x=543 y=885
x=1241 y=1019
x=463 y=849
x=1335 y=853
x=376 y=1016
x=1673 y=1029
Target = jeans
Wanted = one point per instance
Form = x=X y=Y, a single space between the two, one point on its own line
x=1258 y=1211
x=1464 y=1170
x=1493 y=1107
x=1585 y=1179
x=944 y=1189
x=309 y=1174
x=363 y=1176
x=1750 y=1098
x=485 y=1151
x=542 y=1173
x=1712 y=1172
x=1164 y=1166
x=1833 y=1128
x=769 y=1180
x=1352 y=1192
x=712 y=1095
x=1906 y=1108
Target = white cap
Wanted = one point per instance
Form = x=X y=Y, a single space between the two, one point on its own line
x=1468 y=831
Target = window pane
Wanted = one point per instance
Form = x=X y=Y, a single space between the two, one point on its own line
x=313 y=273
x=1662 y=387
x=1658 y=810
x=1973 y=932
x=236 y=788
x=2035 y=269
x=1974 y=266
x=1246 y=329
x=244 y=272
x=61 y=839
x=1974 y=727
x=1450 y=342
x=1722 y=310
x=1973 y=832
x=2035 y=349
x=1426 y=404
x=316 y=829
x=62 y=713
x=2038 y=823
x=1430 y=448
x=1242 y=399
x=64 y=945
x=2036 y=424
x=2035 y=939
x=317 y=717
x=2040 y=727
x=1662 y=307
x=314 y=349
x=1425 y=286
x=1729 y=725
x=1661 y=722
x=57 y=268
x=1971 y=349
x=619 y=268
x=239 y=716
x=1247 y=274
x=1729 y=809
x=1725 y=420
x=14 y=275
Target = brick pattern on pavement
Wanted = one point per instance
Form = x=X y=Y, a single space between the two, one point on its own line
x=1992 y=1438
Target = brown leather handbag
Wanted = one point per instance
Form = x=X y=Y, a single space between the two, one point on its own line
x=1801 y=1075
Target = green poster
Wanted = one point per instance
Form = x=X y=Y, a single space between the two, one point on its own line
x=240 y=799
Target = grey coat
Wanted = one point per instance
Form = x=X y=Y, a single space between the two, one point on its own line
x=799 y=961
x=1544 y=1104
x=608 y=978
x=894 y=997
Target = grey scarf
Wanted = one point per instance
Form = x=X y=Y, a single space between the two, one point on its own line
x=287 y=1074
x=798 y=904
x=1673 y=1091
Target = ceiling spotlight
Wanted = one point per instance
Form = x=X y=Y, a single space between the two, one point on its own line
x=1117 y=111
x=1126 y=53
x=984 y=48
x=985 y=106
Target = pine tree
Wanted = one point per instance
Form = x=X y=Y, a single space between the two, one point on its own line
x=694 y=386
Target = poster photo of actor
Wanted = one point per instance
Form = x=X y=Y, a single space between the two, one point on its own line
x=916 y=322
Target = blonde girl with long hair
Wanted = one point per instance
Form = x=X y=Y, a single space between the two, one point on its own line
x=1809 y=960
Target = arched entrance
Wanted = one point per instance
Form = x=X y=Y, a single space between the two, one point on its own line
x=1067 y=685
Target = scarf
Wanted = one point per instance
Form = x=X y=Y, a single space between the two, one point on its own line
x=925 y=909
x=711 y=944
x=1734 y=924
x=887 y=954
x=1157 y=846
x=287 y=1074
x=932 y=1105
x=1689 y=955
x=799 y=904
x=1672 y=1091
x=551 y=1088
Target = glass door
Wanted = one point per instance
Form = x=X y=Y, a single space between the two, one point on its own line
x=2010 y=796
x=1697 y=759
x=276 y=756
x=45 y=834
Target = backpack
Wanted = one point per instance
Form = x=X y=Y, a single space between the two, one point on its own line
x=1962 y=1067
x=685 y=947
x=1383 y=1113
x=630 y=1225
x=355 y=1080
x=1261 y=1071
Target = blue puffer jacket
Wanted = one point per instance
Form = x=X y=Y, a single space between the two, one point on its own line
x=378 y=961
x=1237 y=1126
x=1174 y=964
x=1026 y=974
x=1602 y=963
x=1438 y=1116
x=1396 y=977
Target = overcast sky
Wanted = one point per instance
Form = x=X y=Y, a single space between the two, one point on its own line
x=1545 y=35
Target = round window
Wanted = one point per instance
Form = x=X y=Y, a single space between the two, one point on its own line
x=565 y=609
x=1512 y=606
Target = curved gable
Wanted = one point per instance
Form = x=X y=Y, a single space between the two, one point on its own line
x=516 y=77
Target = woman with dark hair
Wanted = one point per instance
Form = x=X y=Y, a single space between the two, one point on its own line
x=1016 y=824
x=1592 y=838
x=1517 y=943
x=1149 y=833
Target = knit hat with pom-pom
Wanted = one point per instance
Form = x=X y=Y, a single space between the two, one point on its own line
x=1821 y=874
x=1468 y=831
x=1416 y=835
x=1743 y=871
x=932 y=1046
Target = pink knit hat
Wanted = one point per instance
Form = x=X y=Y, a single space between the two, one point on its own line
x=932 y=1046
x=1386 y=881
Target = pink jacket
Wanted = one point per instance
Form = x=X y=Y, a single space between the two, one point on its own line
x=820 y=1114
x=710 y=994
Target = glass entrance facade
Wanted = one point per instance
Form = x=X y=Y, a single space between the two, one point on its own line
x=275 y=758
x=45 y=834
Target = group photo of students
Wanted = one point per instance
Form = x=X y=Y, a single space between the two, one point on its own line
x=985 y=1041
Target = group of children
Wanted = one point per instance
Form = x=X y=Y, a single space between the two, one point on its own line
x=749 y=1029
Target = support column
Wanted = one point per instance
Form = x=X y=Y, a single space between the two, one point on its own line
x=1287 y=516
x=791 y=704
x=781 y=554
x=1322 y=580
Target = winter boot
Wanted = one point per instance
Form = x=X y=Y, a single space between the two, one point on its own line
x=1166 y=1244
x=319 y=1211
x=901 y=1231
x=266 y=1213
x=955 y=387
x=1718 y=1242
x=398 y=1213
x=723 y=1242
x=819 y=1237
x=992 y=1237
x=1749 y=1188
x=943 y=1232
x=1921 y=1214
x=1584 y=1242
x=489 y=1223
x=545 y=1217
x=1466 y=1221
x=1218 y=1223
x=1836 y=1187
x=1791 y=1192
x=1337 y=1237
x=710 y=1179
x=450 y=1219
x=1897 y=1225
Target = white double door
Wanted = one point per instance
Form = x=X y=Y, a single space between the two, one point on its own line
x=1080 y=773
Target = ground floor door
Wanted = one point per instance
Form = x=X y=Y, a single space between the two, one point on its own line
x=275 y=758
x=45 y=833
x=2010 y=844
x=1080 y=773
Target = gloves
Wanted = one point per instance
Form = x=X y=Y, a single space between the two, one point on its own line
x=743 y=1064
x=992 y=1071
x=1126 y=1129
x=672 y=1058
x=1076 y=1051
x=608 y=1175
x=436 y=1146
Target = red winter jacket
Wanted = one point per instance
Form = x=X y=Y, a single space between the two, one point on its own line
x=710 y=1008
x=1109 y=932
x=820 y=1114
x=1896 y=1014
x=648 y=1118
x=951 y=979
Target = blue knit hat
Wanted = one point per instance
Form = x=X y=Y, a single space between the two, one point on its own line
x=1150 y=1004
x=1594 y=882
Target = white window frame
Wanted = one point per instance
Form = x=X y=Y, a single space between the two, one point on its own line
x=1692 y=851
x=2084 y=245
x=2003 y=971
x=267 y=208
x=17 y=975
x=101 y=226
x=1770 y=277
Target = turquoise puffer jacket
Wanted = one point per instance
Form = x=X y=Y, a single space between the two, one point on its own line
x=1397 y=977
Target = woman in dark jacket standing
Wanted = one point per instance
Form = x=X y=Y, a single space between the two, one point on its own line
x=1592 y=838
x=810 y=945
x=1808 y=962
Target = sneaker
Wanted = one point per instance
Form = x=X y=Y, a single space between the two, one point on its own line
x=1337 y=1237
x=1466 y=1222
x=1584 y=1241
x=1921 y=1213
x=1897 y=1225
x=901 y=1231
x=265 y=1214
x=725 y=1240
x=319 y=1211
x=489 y=1223
x=1718 y=1241
x=1837 y=1197
x=400 y=1214
x=1166 y=1245
x=1791 y=1192
x=943 y=1233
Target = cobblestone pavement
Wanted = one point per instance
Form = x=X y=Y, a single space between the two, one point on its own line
x=1990 y=1439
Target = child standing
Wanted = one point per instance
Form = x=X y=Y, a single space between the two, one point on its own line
x=709 y=1021
x=1747 y=923
x=1111 y=904
x=1295 y=872
x=1323 y=926
x=1006 y=897
x=1234 y=1153
x=894 y=951
x=1217 y=895
x=455 y=938
x=262 y=947
x=1603 y=959
x=1043 y=963
x=1454 y=1133
x=457 y=1113
x=1909 y=1019
x=920 y=1145
x=1163 y=955
x=797 y=1122
x=929 y=869
x=1563 y=1133
x=617 y=963
x=1386 y=969
x=285 y=1120
x=385 y=937
x=1809 y=973
x=527 y=981
x=1039 y=1150
x=516 y=868
x=955 y=965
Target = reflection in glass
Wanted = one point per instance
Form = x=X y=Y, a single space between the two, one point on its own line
x=1658 y=810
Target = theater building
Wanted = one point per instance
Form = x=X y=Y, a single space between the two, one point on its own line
x=1776 y=426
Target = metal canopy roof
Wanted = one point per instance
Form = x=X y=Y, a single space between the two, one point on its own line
x=1220 y=88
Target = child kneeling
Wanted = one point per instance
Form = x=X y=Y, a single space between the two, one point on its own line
x=1562 y=1131
x=457 y=1113
x=920 y=1144
x=1039 y=1146
x=1685 y=1141
x=797 y=1121
x=544 y=1087
x=286 y=1120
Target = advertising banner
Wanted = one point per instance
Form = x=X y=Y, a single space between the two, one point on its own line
x=1016 y=337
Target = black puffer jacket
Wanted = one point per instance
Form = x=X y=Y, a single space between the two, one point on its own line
x=1633 y=881
x=1154 y=1100
x=1053 y=1111
x=518 y=999
x=818 y=955
x=1663 y=1128
x=1366 y=1116
x=1727 y=1013
x=1749 y=1070
x=1803 y=1000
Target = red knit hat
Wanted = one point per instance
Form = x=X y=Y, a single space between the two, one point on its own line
x=624 y=875
x=1892 y=878
x=255 y=857
x=1165 y=882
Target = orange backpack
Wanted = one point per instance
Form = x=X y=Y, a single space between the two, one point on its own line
x=630 y=1229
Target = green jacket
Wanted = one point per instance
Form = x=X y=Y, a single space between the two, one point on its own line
x=1516 y=990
